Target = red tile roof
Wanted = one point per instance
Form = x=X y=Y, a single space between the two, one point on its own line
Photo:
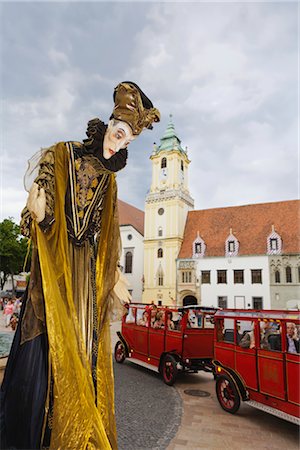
x=251 y=225
x=129 y=215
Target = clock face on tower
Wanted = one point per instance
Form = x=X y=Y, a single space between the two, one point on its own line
x=163 y=173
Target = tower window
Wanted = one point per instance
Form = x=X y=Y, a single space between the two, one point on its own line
x=160 y=279
x=163 y=163
x=288 y=274
x=277 y=276
x=182 y=166
x=161 y=211
x=128 y=262
x=160 y=231
x=160 y=253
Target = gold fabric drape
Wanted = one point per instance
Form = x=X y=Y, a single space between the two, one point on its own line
x=78 y=422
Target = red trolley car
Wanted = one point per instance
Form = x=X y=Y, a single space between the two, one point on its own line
x=166 y=339
x=257 y=360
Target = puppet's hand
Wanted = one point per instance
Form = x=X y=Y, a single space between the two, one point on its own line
x=36 y=203
x=121 y=288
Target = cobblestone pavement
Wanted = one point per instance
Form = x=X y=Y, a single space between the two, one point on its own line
x=205 y=425
x=148 y=412
x=151 y=415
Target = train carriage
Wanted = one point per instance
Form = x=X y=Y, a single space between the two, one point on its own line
x=167 y=339
x=256 y=356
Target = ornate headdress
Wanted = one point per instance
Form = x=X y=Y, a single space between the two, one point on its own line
x=134 y=107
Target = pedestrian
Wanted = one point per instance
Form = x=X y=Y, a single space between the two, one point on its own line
x=8 y=312
x=61 y=355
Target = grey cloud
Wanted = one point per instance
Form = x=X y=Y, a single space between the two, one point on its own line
x=227 y=73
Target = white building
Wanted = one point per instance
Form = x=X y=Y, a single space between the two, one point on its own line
x=241 y=256
x=131 y=221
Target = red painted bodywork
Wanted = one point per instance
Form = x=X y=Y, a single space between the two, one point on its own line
x=149 y=345
x=270 y=377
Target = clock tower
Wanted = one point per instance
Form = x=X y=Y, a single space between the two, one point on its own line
x=167 y=205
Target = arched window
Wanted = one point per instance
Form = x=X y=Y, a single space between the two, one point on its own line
x=128 y=262
x=160 y=279
x=288 y=274
x=163 y=163
x=277 y=276
x=160 y=253
x=160 y=231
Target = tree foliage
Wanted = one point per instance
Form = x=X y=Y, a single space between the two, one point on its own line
x=13 y=248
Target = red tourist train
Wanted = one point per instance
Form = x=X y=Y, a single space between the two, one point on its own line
x=253 y=355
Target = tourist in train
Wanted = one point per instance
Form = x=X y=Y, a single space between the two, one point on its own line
x=266 y=331
x=248 y=340
x=170 y=323
x=160 y=320
x=153 y=312
x=144 y=322
x=292 y=344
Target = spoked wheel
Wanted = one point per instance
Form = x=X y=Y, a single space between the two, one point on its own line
x=227 y=394
x=120 y=353
x=169 y=370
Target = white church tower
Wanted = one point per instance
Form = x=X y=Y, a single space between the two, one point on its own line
x=167 y=205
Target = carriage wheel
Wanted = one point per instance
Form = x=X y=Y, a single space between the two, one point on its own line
x=169 y=370
x=120 y=353
x=227 y=394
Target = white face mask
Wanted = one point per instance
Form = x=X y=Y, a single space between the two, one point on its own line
x=118 y=135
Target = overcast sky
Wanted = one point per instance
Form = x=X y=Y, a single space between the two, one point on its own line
x=228 y=73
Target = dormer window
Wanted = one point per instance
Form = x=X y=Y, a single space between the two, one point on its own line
x=231 y=245
x=274 y=243
x=198 y=247
x=163 y=163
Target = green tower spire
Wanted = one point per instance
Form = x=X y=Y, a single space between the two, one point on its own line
x=170 y=140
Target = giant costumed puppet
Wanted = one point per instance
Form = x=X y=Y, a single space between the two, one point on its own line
x=58 y=390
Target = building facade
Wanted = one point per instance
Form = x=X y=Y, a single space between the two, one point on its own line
x=131 y=221
x=241 y=257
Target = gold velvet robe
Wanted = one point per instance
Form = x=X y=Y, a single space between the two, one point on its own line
x=75 y=254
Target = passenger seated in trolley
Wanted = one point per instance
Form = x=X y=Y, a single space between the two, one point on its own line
x=170 y=323
x=248 y=340
x=160 y=320
x=153 y=312
x=292 y=343
x=144 y=319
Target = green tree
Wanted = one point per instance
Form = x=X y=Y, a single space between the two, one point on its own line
x=13 y=248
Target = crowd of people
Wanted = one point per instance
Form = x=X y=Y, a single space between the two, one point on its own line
x=270 y=337
x=155 y=318
x=11 y=308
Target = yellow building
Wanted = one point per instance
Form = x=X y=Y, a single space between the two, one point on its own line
x=166 y=208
